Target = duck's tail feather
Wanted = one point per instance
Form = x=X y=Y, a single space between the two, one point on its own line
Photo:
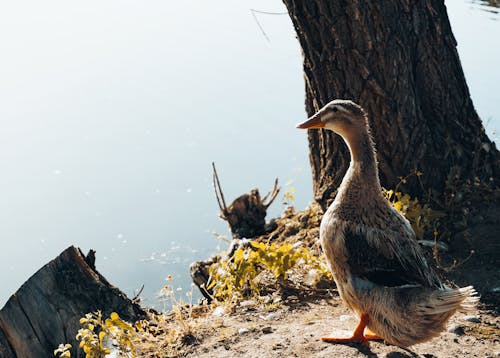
x=471 y=299
x=450 y=300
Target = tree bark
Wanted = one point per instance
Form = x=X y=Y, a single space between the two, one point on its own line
x=398 y=59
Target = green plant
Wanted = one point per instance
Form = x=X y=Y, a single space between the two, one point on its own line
x=234 y=278
x=63 y=351
x=289 y=195
x=421 y=217
x=97 y=335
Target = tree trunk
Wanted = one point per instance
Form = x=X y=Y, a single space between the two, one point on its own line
x=398 y=59
x=46 y=310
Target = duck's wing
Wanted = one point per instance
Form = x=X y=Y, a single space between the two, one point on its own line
x=388 y=258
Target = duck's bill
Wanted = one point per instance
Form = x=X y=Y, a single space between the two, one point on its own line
x=313 y=122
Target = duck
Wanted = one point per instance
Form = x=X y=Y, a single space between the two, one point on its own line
x=378 y=266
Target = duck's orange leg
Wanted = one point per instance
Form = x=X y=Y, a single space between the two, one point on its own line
x=361 y=334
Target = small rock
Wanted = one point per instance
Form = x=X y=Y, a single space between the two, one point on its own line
x=267 y=330
x=268 y=299
x=277 y=346
x=219 y=311
x=292 y=298
x=188 y=339
x=243 y=331
x=247 y=303
x=455 y=340
x=458 y=330
x=345 y=317
x=312 y=277
x=473 y=319
x=268 y=317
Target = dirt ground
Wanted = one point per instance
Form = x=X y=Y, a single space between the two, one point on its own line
x=294 y=328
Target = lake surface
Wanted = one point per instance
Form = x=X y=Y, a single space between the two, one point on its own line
x=113 y=112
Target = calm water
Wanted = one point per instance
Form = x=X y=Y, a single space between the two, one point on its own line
x=112 y=113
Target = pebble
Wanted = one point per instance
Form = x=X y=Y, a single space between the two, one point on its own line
x=219 y=311
x=458 y=330
x=267 y=330
x=473 y=319
x=247 y=303
x=345 y=317
x=268 y=299
x=243 y=331
x=277 y=346
x=268 y=317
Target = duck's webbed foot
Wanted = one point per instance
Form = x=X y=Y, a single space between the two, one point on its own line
x=370 y=335
x=361 y=334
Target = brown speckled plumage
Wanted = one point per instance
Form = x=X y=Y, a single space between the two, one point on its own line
x=371 y=248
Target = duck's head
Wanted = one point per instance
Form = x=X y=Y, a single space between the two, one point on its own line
x=344 y=117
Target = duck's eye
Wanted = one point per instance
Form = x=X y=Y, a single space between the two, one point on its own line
x=335 y=109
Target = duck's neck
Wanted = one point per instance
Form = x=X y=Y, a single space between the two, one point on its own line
x=363 y=167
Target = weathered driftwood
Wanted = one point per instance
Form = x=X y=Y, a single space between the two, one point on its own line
x=46 y=310
x=200 y=275
x=200 y=270
x=246 y=215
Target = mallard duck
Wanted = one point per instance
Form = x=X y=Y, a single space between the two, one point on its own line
x=372 y=251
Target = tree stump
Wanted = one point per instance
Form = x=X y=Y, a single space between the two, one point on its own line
x=246 y=215
x=47 y=308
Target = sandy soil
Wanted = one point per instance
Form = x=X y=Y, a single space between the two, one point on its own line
x=294 y=328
